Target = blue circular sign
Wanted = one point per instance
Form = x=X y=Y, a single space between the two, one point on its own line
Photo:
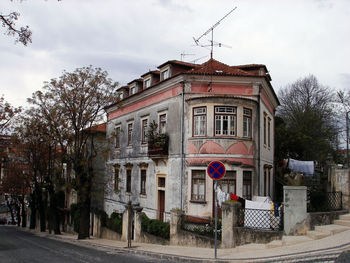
x=216 y=170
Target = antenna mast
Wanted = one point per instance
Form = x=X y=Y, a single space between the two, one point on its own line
x=211 y=29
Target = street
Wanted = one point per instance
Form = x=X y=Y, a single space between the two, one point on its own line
x=21 y=246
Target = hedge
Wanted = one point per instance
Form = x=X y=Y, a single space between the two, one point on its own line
x=155 y=227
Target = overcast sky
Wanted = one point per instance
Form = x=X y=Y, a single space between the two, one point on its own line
x=128 y=38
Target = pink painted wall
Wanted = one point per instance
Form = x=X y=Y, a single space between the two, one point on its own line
x=223 y=89
x=146 y=102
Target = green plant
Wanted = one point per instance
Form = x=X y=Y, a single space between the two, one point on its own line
x=155 y=227
x=115 y=222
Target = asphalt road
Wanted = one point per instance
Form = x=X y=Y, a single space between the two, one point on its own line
x=18 y=246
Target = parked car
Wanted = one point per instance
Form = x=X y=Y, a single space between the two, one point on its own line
x=3 y=220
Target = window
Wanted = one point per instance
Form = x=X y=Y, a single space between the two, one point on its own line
x=132 y=90
x=129 y=133
x=117 y=137
x=225 y=121
x=143 y=182
x=247 y=123
x=165 y=74
x=267 y=182
x=269 y=132
x=144 y=125
x=228 y=182
x=128 y=180
x=147 y=83
x=247 y=185
x=199 y=121
x=198 y=185
x=264 y=128
x=162 y=123
x=116 y=178
x=161 y=182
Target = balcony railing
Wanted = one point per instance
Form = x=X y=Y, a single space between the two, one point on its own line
x=158 y=146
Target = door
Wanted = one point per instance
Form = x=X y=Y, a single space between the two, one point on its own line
x=161 y=204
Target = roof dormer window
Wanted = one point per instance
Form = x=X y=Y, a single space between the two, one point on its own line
x=164 y=74
x=147 y=83
x=132 y=90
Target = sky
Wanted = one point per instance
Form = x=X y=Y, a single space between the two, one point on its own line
x=129 y=38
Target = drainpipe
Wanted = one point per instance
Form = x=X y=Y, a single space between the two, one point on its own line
x=259 y=140
x=182 y=141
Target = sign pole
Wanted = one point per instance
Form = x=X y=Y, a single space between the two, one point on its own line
x=216 y=170
x=216 y=218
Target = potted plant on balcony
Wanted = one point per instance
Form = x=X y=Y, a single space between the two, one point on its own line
x=157 y=142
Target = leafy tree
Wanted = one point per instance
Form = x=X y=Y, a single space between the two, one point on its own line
x=71 y=105
x=307 y=129
x=7 y=114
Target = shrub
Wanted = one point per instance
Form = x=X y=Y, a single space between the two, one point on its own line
x=115 y=222
x=155 y=227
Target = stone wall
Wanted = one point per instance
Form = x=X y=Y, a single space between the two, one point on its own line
x=340 y=182
x=109 y=234
x=179 y=237
x=245 y=236
x=295 y=210
x=323 y=218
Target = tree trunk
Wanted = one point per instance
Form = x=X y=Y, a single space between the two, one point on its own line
x=32 y=205
x=24 y=215
x=11 y=212
x=84 y=190
x=18 y=210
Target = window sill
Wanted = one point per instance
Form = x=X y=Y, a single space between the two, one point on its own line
x=198 y=202
x=143 y=195
x=127 y=193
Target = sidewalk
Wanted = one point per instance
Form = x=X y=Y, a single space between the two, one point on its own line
x=329 y=247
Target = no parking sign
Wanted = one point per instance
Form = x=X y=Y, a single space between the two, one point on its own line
x=216 y=170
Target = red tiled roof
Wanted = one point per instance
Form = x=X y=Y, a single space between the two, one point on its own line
x=98 y=128
x=177 y=62
x=135 y=80
x=154 y=72
x=214 y=67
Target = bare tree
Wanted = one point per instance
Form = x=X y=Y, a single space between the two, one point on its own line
x=7 y=114
x=71 y=105
x=308 y=115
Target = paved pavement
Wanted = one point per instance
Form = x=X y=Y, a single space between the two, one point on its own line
x=322 y=250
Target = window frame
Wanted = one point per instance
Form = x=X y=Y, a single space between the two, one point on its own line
x=147 y=83
x=143 y=181
x=195 y=179
x=144 y=130
x=247 y=182
x=116 y=177
x=229 y=179
x=223 y=114
x=247 y=129
x=160 y=126
x=117 y=136
x=165 y=74
x=128 y=174
x=129 y=134
x=194 y=116
x=133 y=90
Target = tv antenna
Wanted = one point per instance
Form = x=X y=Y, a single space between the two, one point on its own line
x=211 y=29
x=183 y=55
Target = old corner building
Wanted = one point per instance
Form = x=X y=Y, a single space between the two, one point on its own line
x=172 y=122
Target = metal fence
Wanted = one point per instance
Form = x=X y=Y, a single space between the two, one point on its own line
x=261 y=219
x=322 y=201
x=200 y=226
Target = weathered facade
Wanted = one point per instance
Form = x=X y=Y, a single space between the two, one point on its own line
x=202 y=113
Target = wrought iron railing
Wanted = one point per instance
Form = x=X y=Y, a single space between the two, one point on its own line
x=321 y=201
x=261 y=219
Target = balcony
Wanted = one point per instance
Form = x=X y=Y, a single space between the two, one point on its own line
x=158 y=146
